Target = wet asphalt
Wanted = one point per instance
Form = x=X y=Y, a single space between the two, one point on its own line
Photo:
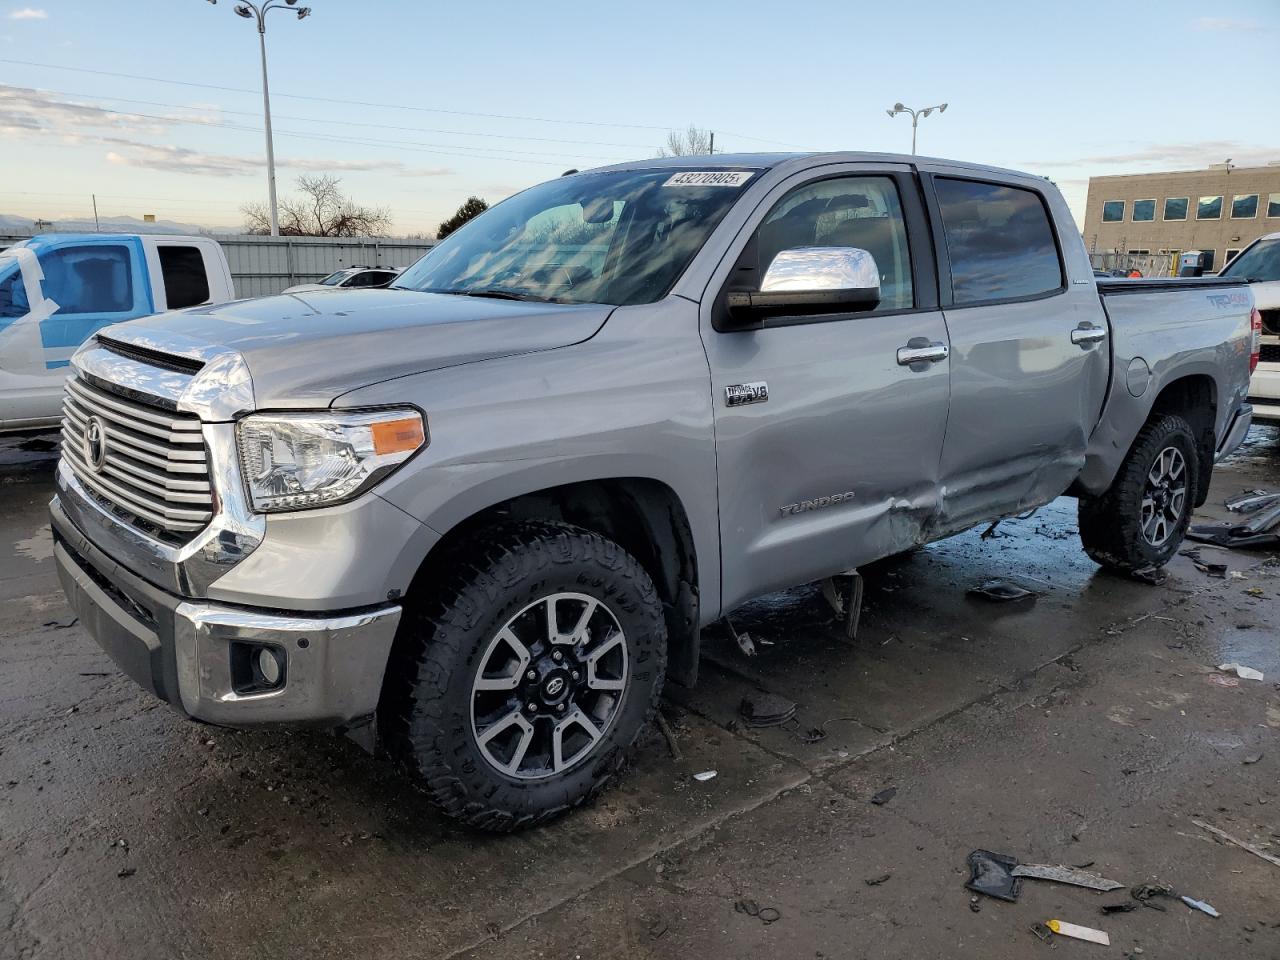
x=1087 y=725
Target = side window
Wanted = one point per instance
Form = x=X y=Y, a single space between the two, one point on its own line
x=863 y=212
x=13 y=296
x=999 y=241
x=93 y=279
x=186 y=283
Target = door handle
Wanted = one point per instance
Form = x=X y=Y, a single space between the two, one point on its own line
x=1086 y=335
x=920 y=350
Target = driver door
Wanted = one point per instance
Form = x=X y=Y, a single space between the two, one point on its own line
x=827 y=443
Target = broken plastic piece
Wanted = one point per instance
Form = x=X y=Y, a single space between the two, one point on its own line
x=1000 y=591
x=705 y=775
x=992 y=874
x=1061 y=874
x=743 y=640
x=1154 y=576
x=1231 y=535
x=1241 y=671
x=1078 y=932
x=1251 y=501
x=1110 y=908
x=884 y=796
x=1043 y=932
x=1201 y=906
x=846 y=604
x=766 y=709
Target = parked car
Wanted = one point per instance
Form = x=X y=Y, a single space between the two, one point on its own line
x=1259 y=265
x=478 y=520
x=349 y=277
x=58 y=289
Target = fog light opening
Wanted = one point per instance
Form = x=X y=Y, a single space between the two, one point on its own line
x=269 y=666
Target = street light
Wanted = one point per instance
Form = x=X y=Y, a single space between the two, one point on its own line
x=258 y=12
x=915 y=117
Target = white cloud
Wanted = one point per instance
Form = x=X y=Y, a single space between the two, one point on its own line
x=1229 y=24
x=28 y=13
x=1189 y=155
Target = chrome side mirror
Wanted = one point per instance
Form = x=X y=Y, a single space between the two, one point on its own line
x=805 y=281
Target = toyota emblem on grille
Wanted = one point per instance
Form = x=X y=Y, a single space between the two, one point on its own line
x=95 y=444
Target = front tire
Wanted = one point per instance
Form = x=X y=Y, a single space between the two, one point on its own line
x=518 y=687
x=1141 y=520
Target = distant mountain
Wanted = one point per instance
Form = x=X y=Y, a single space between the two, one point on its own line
x=14 y=225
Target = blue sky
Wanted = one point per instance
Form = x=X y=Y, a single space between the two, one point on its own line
x=1067 y=90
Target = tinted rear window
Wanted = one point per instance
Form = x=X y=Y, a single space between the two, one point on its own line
x=999 y=241
x=185 y=281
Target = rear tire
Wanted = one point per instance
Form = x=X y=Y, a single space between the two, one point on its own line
x=510 y=714
x=1141 y=520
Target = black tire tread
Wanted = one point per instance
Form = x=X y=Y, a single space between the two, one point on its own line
x=1110 y=524
x=418 y=678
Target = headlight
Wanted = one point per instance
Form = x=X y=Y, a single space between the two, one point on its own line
x=293 y=461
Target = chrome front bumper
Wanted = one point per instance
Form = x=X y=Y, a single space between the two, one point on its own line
x=191 y=653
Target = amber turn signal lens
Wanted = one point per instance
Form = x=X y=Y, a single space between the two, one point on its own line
x=397 y=436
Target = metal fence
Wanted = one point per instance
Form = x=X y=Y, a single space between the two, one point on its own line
x=1148 y=264
x=261 y=266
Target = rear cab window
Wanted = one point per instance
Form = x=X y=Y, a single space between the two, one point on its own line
x=999 y=242
x=186 y=282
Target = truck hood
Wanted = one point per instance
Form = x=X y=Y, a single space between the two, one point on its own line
x=306 y=349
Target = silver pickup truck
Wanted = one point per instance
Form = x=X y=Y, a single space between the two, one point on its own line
x=477 y=519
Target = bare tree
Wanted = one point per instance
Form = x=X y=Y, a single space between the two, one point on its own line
x=685 y=143
x=319 y=209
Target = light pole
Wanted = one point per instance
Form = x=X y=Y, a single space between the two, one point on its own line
x=258 y=13
x=915 y=117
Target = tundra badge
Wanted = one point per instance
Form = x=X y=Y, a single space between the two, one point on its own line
x=736 y=394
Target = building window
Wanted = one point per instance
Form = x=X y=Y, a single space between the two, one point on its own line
x=1228 y=256
x=1209 y=208
x=1139 y=253
x=1175 y=208
x=1244 y=207
x=1112 y=211
x=1144 y=210
x=1273 y=205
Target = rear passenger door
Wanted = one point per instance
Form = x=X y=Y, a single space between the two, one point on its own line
x=1030 y=358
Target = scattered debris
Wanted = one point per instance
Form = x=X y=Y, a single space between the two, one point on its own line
x=1201 y=906
x=847 y=603
x=705 y=775
x=1043 y=932
x=884 y=796
x=766 y=710
x=765 y=915
x=1241 y=671
x=743 y=640
x=1255 y=592
x=1218 y=570
x=126 y=872
x=1219 y=680
x=670 y=736
x=975 y=904
x=61 y=626
x=992 y=874
x=1257 y=852
x=1252 y=758
x=1000 y=591
x=1110 y=908
x=1152 y=576
x=1077 y=932
x=1061 y=874
x=1261 y=530
x=658 y=928
x=876 y=881
x=1147 y=893
x=1251 y=500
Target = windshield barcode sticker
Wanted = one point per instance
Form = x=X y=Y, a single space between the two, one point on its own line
x=710 y=178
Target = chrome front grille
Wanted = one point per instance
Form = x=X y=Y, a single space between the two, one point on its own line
x=146 y=463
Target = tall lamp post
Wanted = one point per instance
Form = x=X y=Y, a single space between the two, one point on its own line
x=257 y=12
x=915 y=117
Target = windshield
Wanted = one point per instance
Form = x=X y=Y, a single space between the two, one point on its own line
x=618 y=238
x=334 y=279
x=1259 y=262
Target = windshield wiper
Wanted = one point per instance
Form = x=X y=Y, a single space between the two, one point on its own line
x=506 y=295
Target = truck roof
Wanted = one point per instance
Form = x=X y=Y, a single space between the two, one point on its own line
x=766 y=161
x=41 y=239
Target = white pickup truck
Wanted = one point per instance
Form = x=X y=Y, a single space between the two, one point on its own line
x=1259 y=265
x=58 y=290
